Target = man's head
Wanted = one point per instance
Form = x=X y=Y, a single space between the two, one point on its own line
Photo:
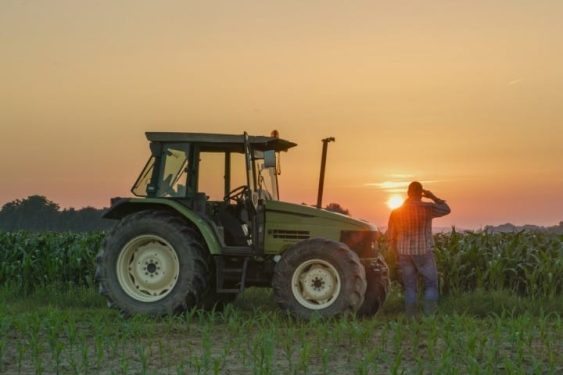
x=415 y=190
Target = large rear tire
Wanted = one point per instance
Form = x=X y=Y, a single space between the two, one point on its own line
x=377 y=277
x=319 y=276
x=152 y=263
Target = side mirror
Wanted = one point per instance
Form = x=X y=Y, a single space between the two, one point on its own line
x=270 y=159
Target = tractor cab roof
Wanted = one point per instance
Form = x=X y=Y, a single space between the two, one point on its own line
x=221 y=142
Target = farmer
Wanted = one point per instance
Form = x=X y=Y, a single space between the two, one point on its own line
x=410 y=236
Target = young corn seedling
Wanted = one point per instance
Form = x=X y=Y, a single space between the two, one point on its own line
x=304 y=356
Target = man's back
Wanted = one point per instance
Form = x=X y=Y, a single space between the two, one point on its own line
x=410 y=235
x=410 y=226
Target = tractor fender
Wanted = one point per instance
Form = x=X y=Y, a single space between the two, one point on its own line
x=126 y=206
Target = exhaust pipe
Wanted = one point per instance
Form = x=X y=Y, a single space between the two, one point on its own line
x=322 y=177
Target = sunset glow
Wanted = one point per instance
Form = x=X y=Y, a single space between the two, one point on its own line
x=394 y=201
x=464 y=97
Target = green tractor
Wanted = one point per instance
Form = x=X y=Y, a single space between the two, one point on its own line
x=207 y=222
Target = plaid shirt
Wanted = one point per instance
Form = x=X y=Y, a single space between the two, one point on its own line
x=410 y=226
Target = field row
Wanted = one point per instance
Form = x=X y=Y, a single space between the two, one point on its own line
x=527 y=263
x=71 y=332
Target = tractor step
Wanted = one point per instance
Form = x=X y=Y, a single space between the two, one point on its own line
x=237 y=250
x=239 y=274
x=228 y=291
x=234 y=271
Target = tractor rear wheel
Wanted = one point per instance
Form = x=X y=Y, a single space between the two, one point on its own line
x=152 y=263
x=377 y=277
x=319 y=276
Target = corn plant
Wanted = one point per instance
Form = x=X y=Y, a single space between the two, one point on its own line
x=528 y=263
x=32 y=260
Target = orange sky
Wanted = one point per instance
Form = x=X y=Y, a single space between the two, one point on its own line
x=465 y=95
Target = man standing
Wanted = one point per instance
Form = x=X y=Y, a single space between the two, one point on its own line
x=410 y=236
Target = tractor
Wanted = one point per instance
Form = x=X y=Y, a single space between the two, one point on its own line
x=206 y=222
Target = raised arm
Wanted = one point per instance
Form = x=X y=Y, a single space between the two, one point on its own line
x=440 y=207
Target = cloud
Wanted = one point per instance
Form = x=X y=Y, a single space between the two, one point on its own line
x=514 y=82
x=398 y=175
x=386 y=185
x=396 y=186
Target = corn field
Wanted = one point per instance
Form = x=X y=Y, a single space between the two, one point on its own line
x=32 y=260
x=527 y=263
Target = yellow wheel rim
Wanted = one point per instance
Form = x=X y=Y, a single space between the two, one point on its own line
x=316 y=284
x=147 y=268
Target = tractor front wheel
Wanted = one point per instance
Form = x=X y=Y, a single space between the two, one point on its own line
x=319 y=276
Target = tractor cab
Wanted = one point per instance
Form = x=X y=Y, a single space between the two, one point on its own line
x=225 y=179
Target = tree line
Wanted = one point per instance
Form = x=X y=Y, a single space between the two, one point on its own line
x=36 y=213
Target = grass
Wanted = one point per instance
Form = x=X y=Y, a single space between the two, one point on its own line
x=70 y=331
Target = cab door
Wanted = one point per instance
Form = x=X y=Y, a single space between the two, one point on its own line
x=254 y=205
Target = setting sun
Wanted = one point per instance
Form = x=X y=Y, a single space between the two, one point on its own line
x=394 y=201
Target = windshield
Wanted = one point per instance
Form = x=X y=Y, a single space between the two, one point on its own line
x=267 y=178
x=140 y=188
x=172 y=181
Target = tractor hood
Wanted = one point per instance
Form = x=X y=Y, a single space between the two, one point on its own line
x=288 y=224
x=308 y=215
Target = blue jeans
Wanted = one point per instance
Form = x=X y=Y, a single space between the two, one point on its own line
x=425 y=265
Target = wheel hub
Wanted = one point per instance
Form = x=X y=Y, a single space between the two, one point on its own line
x=151 y=267
x=316 y=284
x=148 y=268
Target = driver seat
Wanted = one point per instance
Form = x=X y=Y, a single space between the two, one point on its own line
x=233 y=227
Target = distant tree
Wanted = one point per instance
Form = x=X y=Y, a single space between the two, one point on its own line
x=37 y=213
x=335 y=207
x=84 y=219
x=33 y=213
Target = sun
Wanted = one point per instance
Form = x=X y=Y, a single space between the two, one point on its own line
x=394 y=201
